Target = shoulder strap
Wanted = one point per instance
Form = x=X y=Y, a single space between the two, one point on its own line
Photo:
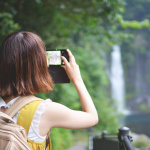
x=5 y=117
x=48 y=143
x=19 y=103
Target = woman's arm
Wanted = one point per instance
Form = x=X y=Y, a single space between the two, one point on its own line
x=58 y=115
x=73 y=72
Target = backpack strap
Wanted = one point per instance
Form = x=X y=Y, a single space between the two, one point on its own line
x=27 y=106
x=6 y=118
x=27 y=113
x=19 y=103
x=48 y=143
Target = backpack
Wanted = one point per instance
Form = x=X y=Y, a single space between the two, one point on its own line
x=13 y=136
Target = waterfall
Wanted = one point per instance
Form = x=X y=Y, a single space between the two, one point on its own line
x=117 y=79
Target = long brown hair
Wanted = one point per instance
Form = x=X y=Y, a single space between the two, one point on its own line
x=23 y=65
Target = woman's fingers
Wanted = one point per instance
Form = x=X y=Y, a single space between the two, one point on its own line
x=71 y=68
x=71 y=57
x=64 y=60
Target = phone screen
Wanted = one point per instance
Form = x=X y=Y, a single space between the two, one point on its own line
x=53 y=57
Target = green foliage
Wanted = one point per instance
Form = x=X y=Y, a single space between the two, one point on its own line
x=133 y=24
x=141 y=142
x=107 y=116
x=7 y=24
x=144 y=108
x=61 y=138
x=80 y=136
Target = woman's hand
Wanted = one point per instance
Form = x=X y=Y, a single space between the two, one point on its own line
x=71 y=68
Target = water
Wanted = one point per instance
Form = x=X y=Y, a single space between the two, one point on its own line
x=117 y=79
x=138 y=123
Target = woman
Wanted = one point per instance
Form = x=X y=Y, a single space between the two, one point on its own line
x=23 y=71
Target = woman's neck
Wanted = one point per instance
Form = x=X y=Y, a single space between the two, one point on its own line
x=8 y=98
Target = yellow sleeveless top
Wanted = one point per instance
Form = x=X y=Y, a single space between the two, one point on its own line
x=25 y=118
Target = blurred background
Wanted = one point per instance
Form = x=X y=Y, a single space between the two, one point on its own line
x=111 y=43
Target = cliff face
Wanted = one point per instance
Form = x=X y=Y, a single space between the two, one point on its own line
x=138 y=77
x=136 y=61
x=136 y=58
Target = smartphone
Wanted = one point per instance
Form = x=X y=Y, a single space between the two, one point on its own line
x=54 y=56
x=54 y=62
